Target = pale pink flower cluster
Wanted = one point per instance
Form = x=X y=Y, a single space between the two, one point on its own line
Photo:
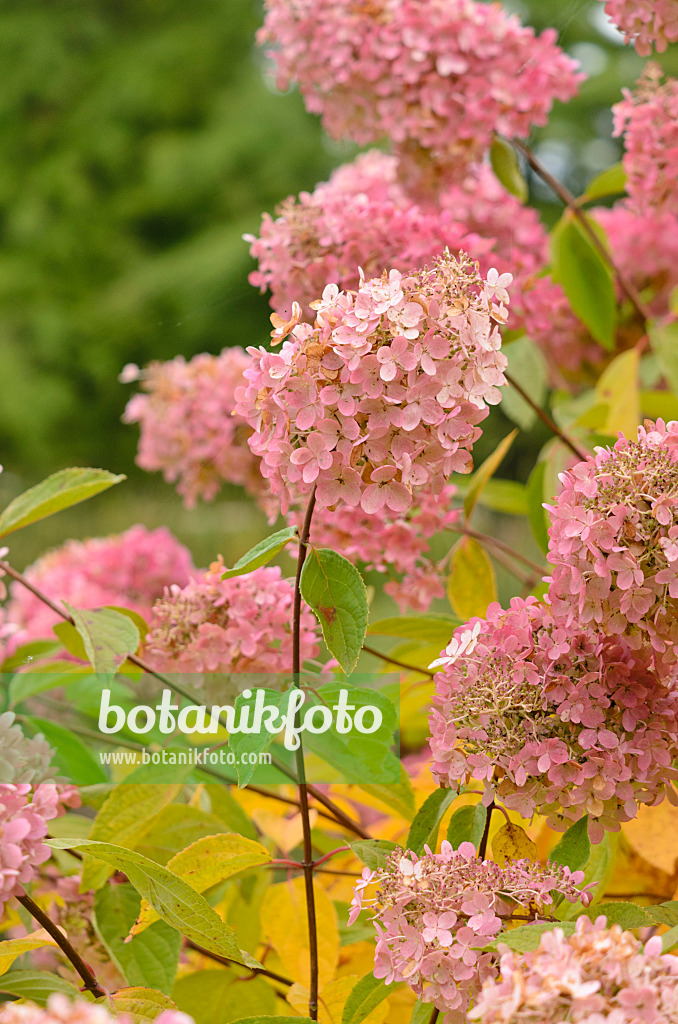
x=648 y=120
x=60 y=1010
x=243 y=624
x=645 y=23
x=24 y=813
x=187 y=427
x=598 y=975
x=614 y=541
x=130 y=569
x=395 y=544
x=435 y=913
x=363 y=217
x=382 y=397
x=437 y=77
x=553 y=718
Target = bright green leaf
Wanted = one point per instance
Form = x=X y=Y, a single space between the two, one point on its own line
x=261 y=553
x=506 y=166
x=574 y=849
x=478 y=481
x=246 y=743
x=610 y=182
x=535 y=506
x=109 y=636
x=217 y=997
x=586 y=279
x=428 y=817
x=373 y=852
x=173 y=898
x=527 y=366
x=364 y=997
x=334 y=589
x=471 y=584
x=150 y=959
x=59 y=491
x=36 y=986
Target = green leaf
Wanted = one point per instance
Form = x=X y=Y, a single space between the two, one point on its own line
x=368 y=993
x=586 y=279
x=173 y=898
x=535 y=506
x=421 y=1013
x=217 y=997
x=362 y=929
x=27 y=684
x=664 y=341
x=334 y=589
x=574 y=849
x=242 y=743
x=71 y=757
x=150 y=959
x=659 y=404
x=427 y=628
x=527 y=937
x=527 y=367
x=506 y=166
x=261 y=553
x=273 y=1020
x=59 y=491
x=108 y=636
x=665 y=913
x=398 y=796
x=610 y=182
x=36 y=986
x=670 y=940
x=627 y=915
x=27 y=653
x=139 y=1004
x=373 y=852
x=471 y=584
x=428 y=817
x=467 y=825
x=485 y=472
x=499 y=495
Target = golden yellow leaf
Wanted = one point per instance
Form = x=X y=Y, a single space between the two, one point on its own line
x=618 y=388
x=283 y=913
x=286 y=833
x=635 y=878
x=653 y=833
x=471 y=585
x=13 y=948
x=142 y=1004
x=511 y=842
x=331 y=1001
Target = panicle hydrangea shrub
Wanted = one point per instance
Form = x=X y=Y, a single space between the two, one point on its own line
x=598 y=975
x=435 y=913
x=187 y=427
x=613 y=540
x=437 y=77
x=363 y=217
x=553 y=719
x=130 y=569
x=645 y=23
x=648 y=120
x=383 y=395
x=60 y=1010
x=243 y=624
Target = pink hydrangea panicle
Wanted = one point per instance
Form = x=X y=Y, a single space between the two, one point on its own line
x=438 y=77
x=611 y=540
x=61 y=1010
x=435 y=913
x=648 y=121
x=130 y=569
x=597 y=974
x=554 y=719
x=645 y=23
x=188 y=430
x=363 y=217
x=243 y=624
x=382 y=397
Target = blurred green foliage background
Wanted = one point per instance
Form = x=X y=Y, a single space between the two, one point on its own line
x=139 y=140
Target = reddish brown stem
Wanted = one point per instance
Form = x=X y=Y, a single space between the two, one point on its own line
x=393 y=661
x=90 y=982
x=546 y=419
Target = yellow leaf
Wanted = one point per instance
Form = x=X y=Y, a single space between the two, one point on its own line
x=331 y=1001
x=283 y=912
x=142 y=1004
x=478 y=482
x=652 y=834
x=286 y=833
x=511 y=842
x=13 y=948
x=618 y=388
x=471 y=585
x=205 y=863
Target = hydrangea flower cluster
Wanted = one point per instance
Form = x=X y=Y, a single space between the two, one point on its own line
x=437 y=77
x=243 y=624
x=596 y=975
x=553 y=719
x=383 y=396
x=645 y=23
x=613 y=540
x=363 y=217
x=60 y=1010
x=435 y=913
x=130 y=569
x=187 y=428
x=648 y=120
